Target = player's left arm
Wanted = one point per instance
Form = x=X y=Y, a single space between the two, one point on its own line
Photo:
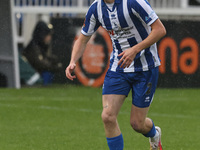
x=157 y=32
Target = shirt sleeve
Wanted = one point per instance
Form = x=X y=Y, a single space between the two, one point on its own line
x=144 y=10
x=91 y=22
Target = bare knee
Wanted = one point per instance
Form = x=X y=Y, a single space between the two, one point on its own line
x=108 y=117
x=138 y=126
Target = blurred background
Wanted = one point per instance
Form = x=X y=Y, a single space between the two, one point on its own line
x=36 y=39
x=57 y=23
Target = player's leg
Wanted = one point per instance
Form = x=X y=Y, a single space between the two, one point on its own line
x=143 y=92
x=115 y=90
x=139 y=121
x=144 y=125
x=111 y=108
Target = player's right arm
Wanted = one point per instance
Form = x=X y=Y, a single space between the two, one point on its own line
x=91 y=24
x=77 y=52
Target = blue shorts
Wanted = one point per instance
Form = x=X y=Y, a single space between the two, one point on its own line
x=143 y=85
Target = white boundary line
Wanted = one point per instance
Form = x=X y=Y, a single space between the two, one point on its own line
x=43 y=107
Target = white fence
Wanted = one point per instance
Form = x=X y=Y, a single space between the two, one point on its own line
x=168 y=3
x=53 y=2
x=80 y=3
x=154 y=3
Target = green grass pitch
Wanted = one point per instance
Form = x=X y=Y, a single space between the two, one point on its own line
x=69 y=118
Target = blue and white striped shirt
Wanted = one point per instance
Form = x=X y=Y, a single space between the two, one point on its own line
x=128 y=23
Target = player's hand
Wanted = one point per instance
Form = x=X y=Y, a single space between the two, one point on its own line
x=127 y=57
x=69 y=71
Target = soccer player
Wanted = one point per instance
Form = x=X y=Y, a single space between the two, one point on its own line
x=134 y=29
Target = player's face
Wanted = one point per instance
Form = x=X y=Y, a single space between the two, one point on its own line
x=109 y=1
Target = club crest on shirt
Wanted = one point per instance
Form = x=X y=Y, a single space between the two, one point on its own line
x=116 y=26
